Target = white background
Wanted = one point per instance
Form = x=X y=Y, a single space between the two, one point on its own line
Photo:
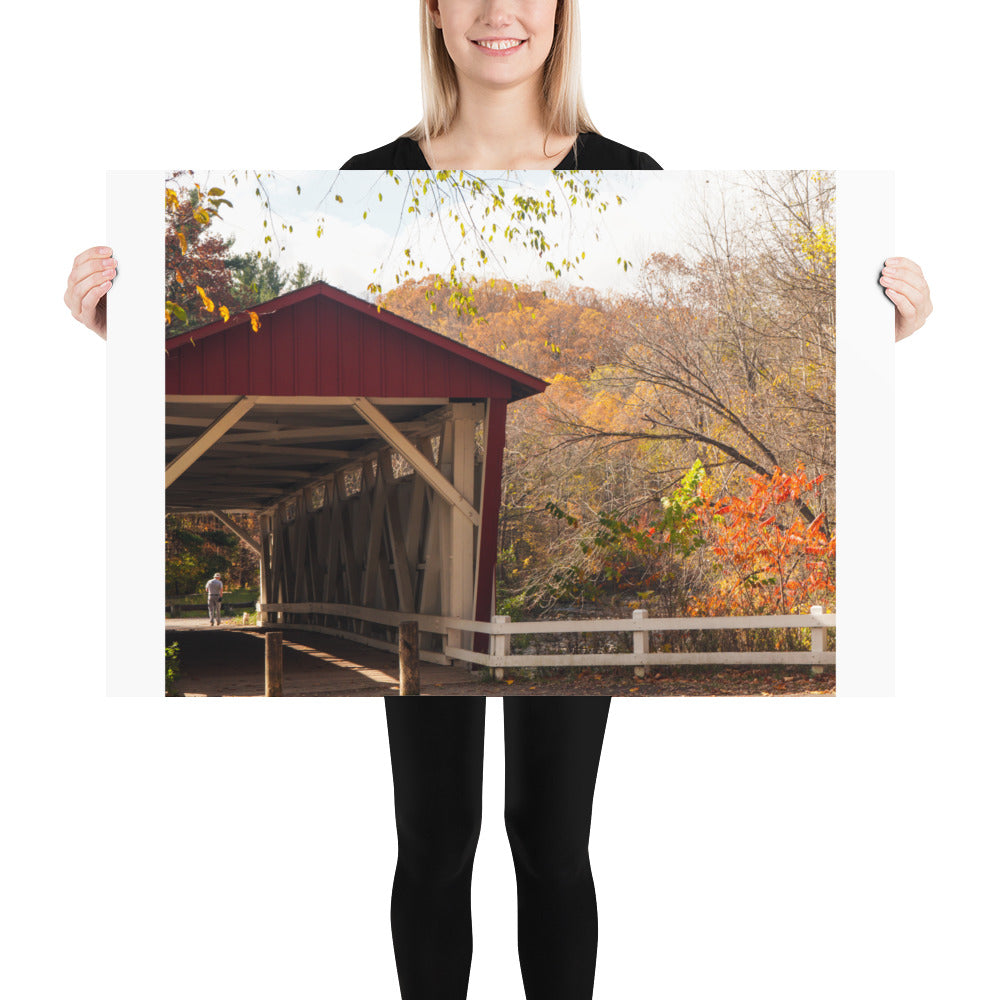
x=778 y=848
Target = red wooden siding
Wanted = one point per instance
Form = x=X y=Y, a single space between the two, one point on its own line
x=320 y=341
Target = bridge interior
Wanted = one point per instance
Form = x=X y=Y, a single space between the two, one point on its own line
x=370 y=504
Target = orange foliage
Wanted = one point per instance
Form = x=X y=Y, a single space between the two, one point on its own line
x=770 y=561
x=520 y=325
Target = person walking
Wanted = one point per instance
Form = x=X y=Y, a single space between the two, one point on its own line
x=214 y=590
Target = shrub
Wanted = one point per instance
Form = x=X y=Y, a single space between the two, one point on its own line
x=173 y=662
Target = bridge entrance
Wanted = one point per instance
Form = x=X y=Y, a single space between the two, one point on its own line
x=369 y=448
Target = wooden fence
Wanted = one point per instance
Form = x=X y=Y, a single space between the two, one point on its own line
x=174 y=610
x=456 y=634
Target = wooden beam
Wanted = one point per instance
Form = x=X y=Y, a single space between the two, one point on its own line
x=288 y=454
x=247 y=540
x=433 y=541
x=353 y=533
x=301 y=524
x=273 y=680
x=230 y=416
x=397 y=538
x=239 y=493
x=174 y=420
x=334 y=512
x=418 y=505
x=279 y=592
x=314 y=432
x=259 y=422
x=411 y=453
x=458 y=450
x=236 y=473
x=375 y=494
x=489 y=510
x=314 y=523
x=409 y=658
x=264 y=522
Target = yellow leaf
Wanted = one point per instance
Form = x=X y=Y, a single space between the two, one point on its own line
x=224 y=313
x=177 y=275
x=166 y=312
x=254 y=321
x=511 y=681
x=182 y=239
x=206 y=302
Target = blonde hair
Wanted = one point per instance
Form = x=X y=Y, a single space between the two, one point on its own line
x=562 y=94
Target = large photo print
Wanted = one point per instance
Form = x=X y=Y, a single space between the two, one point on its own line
x=519 y=433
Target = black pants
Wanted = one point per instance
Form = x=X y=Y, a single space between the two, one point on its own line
x=553 y=746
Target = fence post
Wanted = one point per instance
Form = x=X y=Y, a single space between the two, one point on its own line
x=272 y=665
x=640 y=642
x=409 y=658
x=501 y=644
x=818 y=640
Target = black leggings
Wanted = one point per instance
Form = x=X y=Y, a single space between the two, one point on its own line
x=553 y=746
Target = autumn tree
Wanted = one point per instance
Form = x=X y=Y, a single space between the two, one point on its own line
x=545 y=329
x=720 y=362
x=197 y=278
x=769 y=560
x=731 y=355
x=198 y=546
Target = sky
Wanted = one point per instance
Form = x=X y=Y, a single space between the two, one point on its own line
x=363 y=232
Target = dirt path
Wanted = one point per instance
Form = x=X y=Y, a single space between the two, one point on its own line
x=229 y=662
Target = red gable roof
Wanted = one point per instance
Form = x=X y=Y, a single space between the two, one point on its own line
x=321 y=341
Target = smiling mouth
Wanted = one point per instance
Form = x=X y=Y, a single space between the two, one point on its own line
x=499 y=44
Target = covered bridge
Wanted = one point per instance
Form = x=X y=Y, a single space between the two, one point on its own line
x=370 y=449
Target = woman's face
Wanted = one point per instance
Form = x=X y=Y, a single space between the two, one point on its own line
x=496 y=42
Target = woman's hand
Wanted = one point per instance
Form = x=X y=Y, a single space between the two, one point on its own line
x=87 y=286
x=904 y=283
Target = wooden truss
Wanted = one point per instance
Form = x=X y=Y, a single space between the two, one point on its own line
x=383 y=514
x=405 y=539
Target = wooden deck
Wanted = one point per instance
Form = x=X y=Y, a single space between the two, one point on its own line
x=229 y=662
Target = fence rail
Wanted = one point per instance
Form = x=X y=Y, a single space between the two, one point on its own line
x=173 y=610
x=457 y=636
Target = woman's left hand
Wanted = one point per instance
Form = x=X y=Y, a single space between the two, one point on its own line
x=904 y=283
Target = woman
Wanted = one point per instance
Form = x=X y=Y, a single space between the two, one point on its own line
x=501 y=88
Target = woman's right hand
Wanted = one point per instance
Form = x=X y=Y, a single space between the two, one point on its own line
x=87 y=286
